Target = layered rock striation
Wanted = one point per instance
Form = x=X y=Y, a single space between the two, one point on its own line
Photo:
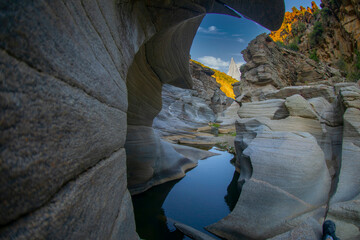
x=81 y=80
x=297 y=148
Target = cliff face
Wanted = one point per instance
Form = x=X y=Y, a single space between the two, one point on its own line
x=330 y=34
x=299 y=120
x=208 y=87
x=270 y=67
x=221 y=78
x=81 y=80
x=184 y=110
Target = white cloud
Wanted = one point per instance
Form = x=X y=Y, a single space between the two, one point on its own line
x=240 y=40
x=237 y=35
x=210 y=30
x=213 y=62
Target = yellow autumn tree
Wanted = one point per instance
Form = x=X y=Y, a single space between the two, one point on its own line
x=223 y=79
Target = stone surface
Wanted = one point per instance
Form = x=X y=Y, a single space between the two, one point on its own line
x=229 y=116
x=273 y=109
x=208 y=88
x=265 y=200
x=182 y=110
x=330 y=114
x=350 y=96
x=67 y=95
x=191 y=153
x=151 y=161
x=96 y=198
x=298 y=106
x=267 y=63
x=286 y=179
x=307 y=92
x=192 y=232
x=348 y=186
x=46 y=147
x=310 y=229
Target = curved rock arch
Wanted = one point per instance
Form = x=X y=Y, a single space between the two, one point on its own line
x=64 y=66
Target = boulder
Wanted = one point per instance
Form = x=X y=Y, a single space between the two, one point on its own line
x=273 y=109
x=350 y=96
x=229 y=116
x=298 y=106
x=307 y=92
x=330 y=114
x=181 y=111
x=286 y=183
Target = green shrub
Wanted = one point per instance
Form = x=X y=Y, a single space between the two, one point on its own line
x=298 y=28
x=353 y=76
x=280 y=43
x=316 y=13
x=297 y=40
x=215 y=125
x=325 y=13
x=316 y=35
x=341 y=64
x=293 y=46
x=314 y=56
x=301 y=27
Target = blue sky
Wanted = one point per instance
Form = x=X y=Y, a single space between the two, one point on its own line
x=221 y=37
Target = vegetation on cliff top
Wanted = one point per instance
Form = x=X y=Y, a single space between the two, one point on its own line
x=223 y=79
x=312 y=31
x=294 y=23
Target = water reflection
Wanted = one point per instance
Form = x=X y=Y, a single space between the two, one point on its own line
x=196 y=200
x=233 y=192
x=151 y=222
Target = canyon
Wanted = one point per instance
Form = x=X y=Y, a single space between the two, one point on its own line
x=80 y=83
x=96 y=94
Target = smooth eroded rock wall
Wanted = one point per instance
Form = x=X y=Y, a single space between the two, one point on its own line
x=66 y=101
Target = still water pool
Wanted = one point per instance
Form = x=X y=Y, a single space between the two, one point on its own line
x=204 y=196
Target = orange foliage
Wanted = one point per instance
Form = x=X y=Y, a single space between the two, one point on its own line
x=291 y=17
x=223 y=79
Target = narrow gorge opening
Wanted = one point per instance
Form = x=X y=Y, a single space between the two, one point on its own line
x=160 y=117
x=81 y=84
x=280 y=107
